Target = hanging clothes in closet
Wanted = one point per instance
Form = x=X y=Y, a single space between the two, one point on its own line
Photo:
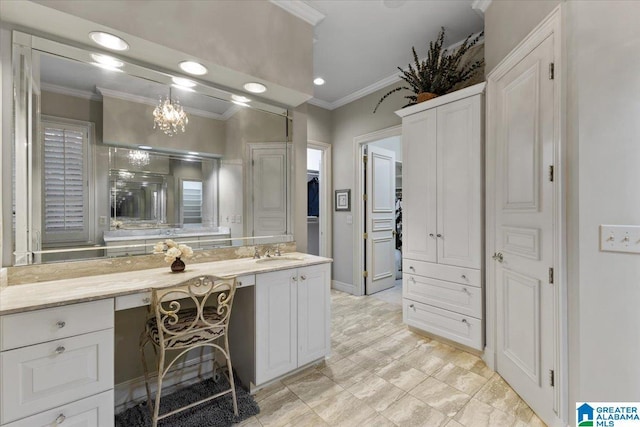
x=313 y=197
x=399 y=220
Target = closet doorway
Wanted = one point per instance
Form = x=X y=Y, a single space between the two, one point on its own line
x=378 y=214
x=319 y=198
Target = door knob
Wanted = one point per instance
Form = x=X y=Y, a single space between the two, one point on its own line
x=498 y=257
x=61 y=324
x=439 y=235
x=432 y=235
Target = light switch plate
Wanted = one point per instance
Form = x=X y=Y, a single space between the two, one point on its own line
x=620 y=238
x=349 y=219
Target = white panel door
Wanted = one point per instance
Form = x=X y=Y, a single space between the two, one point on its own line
x=459 y=184
x=419 y=186
x=314 y=313
x=276 y=324
x=524 y=206
x=269 y=184
x=381 y=213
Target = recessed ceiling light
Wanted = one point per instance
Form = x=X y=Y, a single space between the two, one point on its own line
x=193 y=67
x=109 y=40
x=240 y=98
x=145 y=147
x=107 y=60
x=318 y=81
x=255 y=87
x=181 y=81
x=194 y=153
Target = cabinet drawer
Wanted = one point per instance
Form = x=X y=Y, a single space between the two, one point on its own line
x=450 y=296
x=246 y=280
x=94 y=411
x=125 y=302
x=465 y=276
x=44 y=376
x=22 y=329
x=460 y=328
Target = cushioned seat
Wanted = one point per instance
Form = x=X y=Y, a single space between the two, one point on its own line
x=185 y=332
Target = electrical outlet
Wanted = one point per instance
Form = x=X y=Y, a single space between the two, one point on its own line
x=239 y=219
x=620 y=238
x=102 y=220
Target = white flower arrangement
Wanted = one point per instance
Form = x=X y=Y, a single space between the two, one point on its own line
x=173 y=250
x=116 y=224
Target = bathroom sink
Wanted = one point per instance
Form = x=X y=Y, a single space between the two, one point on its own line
x=279 y=259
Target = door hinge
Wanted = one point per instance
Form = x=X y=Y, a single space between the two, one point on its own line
x=365 y=273
x=552 y=378
x=364 y=197
x=551 y=275
x=364 y=159
x=365 y=236
x=551 y=173
x=551 y=71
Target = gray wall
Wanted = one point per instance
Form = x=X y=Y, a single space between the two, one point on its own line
x=350 y=121
x=254 y=37
x=604 y=153
x=506 y=23
x=319 y=124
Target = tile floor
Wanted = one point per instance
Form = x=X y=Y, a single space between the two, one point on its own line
x=381 y=374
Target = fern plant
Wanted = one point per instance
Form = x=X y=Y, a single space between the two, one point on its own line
x=439 y=72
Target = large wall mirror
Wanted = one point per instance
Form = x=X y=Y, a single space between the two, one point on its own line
x=95 y=175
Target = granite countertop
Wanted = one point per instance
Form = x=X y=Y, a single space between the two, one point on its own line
x=34 y=296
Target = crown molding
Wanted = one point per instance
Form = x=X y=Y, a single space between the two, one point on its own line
x=77 y=93
x=380 y=84
x=153 y=102
x=300 y=9
x=480 y=6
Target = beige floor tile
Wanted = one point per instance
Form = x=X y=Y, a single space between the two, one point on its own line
x=267 y=391
x=281 y=408
x=345 y=373
x=376 y=392
x=453 y=423
x=536 y=422
x=314 y=388
x=249 y=422
x=471 y=363
x=401 y=375
x=457 y=377
x=440 y=396
x=299 y=375
x=497 y=393
x=370 y=359
x=479 y=414
x=393 y=348
x=344 y=409
x=438 y=349
x=409 y=411
x=422 y=361
x=310 y=419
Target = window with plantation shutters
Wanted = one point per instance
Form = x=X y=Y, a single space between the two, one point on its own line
x=65 y=189
x=192 y=202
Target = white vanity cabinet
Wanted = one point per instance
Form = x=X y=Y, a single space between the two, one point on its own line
x=292 y=320
x=442 y=216
x=56 y=364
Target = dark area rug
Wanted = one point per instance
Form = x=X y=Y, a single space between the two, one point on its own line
x=215 y=413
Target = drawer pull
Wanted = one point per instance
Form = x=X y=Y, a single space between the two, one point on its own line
x=411 y=268
x=294 y=278
x=413 y=279
x=60 y=419
x=239 y=283
x=439 y=235
x=466 y=291
x=412 y=306
x=464 y=276
x=60 y=350
x=146 y=300
x=432 y=235
x=61 y=324
x=465 y=322
x=303 y=277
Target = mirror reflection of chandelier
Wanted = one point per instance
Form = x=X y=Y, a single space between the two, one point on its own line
x=138 y=158
x=169 y=116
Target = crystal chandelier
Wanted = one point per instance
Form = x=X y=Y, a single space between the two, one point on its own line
x=138 y=158
x=169 y=116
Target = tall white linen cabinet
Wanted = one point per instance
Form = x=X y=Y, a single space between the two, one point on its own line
x=443 y=194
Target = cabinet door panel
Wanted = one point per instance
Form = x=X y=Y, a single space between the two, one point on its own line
x=276 y=325
x=314 y=337
x=459 y=183
x=419 y=186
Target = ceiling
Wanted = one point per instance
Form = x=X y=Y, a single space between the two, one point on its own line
x=359 y=43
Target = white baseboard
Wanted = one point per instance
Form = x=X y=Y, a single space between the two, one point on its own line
x=344 y=287
x=132 y=392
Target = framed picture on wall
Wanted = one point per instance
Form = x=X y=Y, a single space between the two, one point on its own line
x=343 y=200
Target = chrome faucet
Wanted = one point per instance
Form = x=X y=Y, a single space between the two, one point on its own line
x=256 y=254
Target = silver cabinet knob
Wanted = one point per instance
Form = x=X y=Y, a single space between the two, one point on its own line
x=412 y=306
x=465 y=322
x=465 y=290
x=61 y=324
x=60 y=419
x=439 y=235
x=413 y=279
x=411 y=268
x=60 y=350
x=303 y=277
x=146 y=300
x=432 y=235
x=464 y=276
x=294 y=278
x=239 y=283
x=498 y=256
